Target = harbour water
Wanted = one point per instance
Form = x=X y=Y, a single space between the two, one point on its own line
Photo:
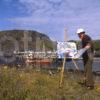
x=96 y=64
x=70 y=64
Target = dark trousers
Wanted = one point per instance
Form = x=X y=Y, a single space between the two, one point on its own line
x=88 y=61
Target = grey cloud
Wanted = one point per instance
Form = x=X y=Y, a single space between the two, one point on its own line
x=54 y=15
x=45 y=6
x=58 y=7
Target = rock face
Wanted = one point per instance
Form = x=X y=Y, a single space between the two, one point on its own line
x=21 y=40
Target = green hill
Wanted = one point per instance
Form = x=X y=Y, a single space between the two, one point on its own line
x=36 y=40
x=97 y=47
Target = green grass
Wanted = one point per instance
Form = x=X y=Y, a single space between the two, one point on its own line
x=34 y=84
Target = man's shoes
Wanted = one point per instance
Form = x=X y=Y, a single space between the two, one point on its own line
x=83 y=84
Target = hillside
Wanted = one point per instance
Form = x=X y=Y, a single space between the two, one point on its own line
x=20 y=38
x=97 y=47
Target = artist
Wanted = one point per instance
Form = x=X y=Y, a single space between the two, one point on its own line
x=87 y=58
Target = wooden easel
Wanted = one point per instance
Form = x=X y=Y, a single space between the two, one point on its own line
x=64 y=61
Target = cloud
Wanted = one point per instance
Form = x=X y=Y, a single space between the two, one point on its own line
x=52 y=16
x=28 y=20
x=7 y=0
x=43 y=6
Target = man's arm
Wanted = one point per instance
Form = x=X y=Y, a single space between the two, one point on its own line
x=88 y=46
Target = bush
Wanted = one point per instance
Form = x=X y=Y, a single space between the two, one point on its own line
x=33 y=84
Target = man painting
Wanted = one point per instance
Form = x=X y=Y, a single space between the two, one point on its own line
x=87 y=58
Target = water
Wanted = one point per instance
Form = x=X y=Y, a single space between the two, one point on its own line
x=70 y=64
x=96 y=65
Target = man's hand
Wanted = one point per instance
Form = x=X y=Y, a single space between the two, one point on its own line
x=87 y=47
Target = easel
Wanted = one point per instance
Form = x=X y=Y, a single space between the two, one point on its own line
x=64 y=61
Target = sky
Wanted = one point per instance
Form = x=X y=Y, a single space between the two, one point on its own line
x=52 y=17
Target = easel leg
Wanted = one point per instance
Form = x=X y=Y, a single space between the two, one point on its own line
x=62 y=71
x=77 y=68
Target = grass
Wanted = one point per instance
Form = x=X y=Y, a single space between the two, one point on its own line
x=42 y=84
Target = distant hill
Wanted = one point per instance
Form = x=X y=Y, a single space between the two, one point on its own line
x=97 y=47
x=96 y=44
x=36 y=40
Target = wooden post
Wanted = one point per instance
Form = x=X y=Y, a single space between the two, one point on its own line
x=76 y=66
x=62 y=71
x=64 y=60
x=25 y=40
x=65 y=35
